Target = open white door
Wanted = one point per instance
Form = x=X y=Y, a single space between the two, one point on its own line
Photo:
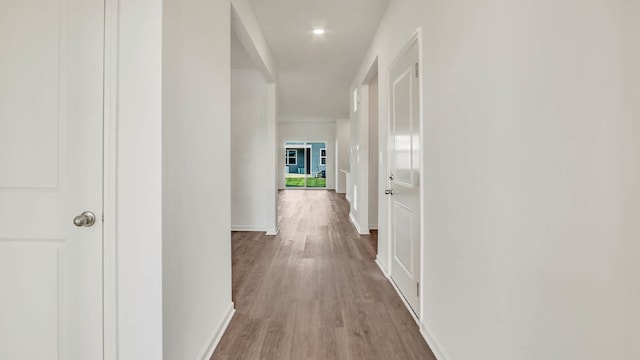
x=404 y=160
x=51 y=119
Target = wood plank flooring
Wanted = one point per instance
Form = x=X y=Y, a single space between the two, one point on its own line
x=314 y=290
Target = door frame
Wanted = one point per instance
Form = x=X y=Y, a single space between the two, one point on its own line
x=416 y=38
x=124 y=66
x=372 y=73
x=109 y=173
x=305 y=187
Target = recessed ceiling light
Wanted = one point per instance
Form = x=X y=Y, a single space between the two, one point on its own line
x=319 y=31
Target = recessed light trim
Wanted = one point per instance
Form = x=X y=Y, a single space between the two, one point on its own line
x=319 y=31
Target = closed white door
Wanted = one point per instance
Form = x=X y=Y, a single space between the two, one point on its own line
x=404 y=177
x=51 y=93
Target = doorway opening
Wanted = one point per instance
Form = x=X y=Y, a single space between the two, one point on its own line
x=305 y=164
x=374 y=155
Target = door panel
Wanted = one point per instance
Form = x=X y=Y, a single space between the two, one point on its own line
x=402 y=129
x=51 y=93
x=30 y=92
x=404 y=137
x=403 y=250
x=30 y=301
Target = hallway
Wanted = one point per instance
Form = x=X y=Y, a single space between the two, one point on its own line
x=314 y=291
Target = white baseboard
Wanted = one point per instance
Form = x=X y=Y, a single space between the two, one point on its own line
x=382 y=267
x=273 y=232
x=373 y=226
x=208 y=350
x=356 y=225
x=424 y=331
x=354 y=222
x=248 y=228
x=433 y=344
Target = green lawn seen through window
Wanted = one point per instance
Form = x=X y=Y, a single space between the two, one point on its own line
x=311 y=182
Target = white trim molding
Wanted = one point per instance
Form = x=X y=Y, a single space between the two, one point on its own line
x=382 y=266
x=109 y=191
x=424 y=331
x=249 y=228
x=273 y=232
x=357 y=226
x=215 y=338
x=433 y=344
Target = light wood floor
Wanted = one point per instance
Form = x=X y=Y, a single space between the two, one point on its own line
x=314 y=291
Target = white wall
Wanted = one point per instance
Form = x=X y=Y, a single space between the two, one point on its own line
x=196 y=181
x=531 y=172
x=308 y=131
x=135 y=105
x=249 y=158
x=343 y=140
x=374 y=157
x=249 y=50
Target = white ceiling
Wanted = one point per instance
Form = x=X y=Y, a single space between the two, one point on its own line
x=314 y=73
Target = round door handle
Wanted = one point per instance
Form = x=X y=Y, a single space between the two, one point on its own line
x=86 y=219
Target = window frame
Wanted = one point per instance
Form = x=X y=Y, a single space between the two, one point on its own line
x=288 y=157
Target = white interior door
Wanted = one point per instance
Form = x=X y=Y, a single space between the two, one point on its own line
x=404 y=159
x=51 y=93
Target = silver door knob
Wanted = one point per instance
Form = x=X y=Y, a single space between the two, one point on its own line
x=86 y=219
